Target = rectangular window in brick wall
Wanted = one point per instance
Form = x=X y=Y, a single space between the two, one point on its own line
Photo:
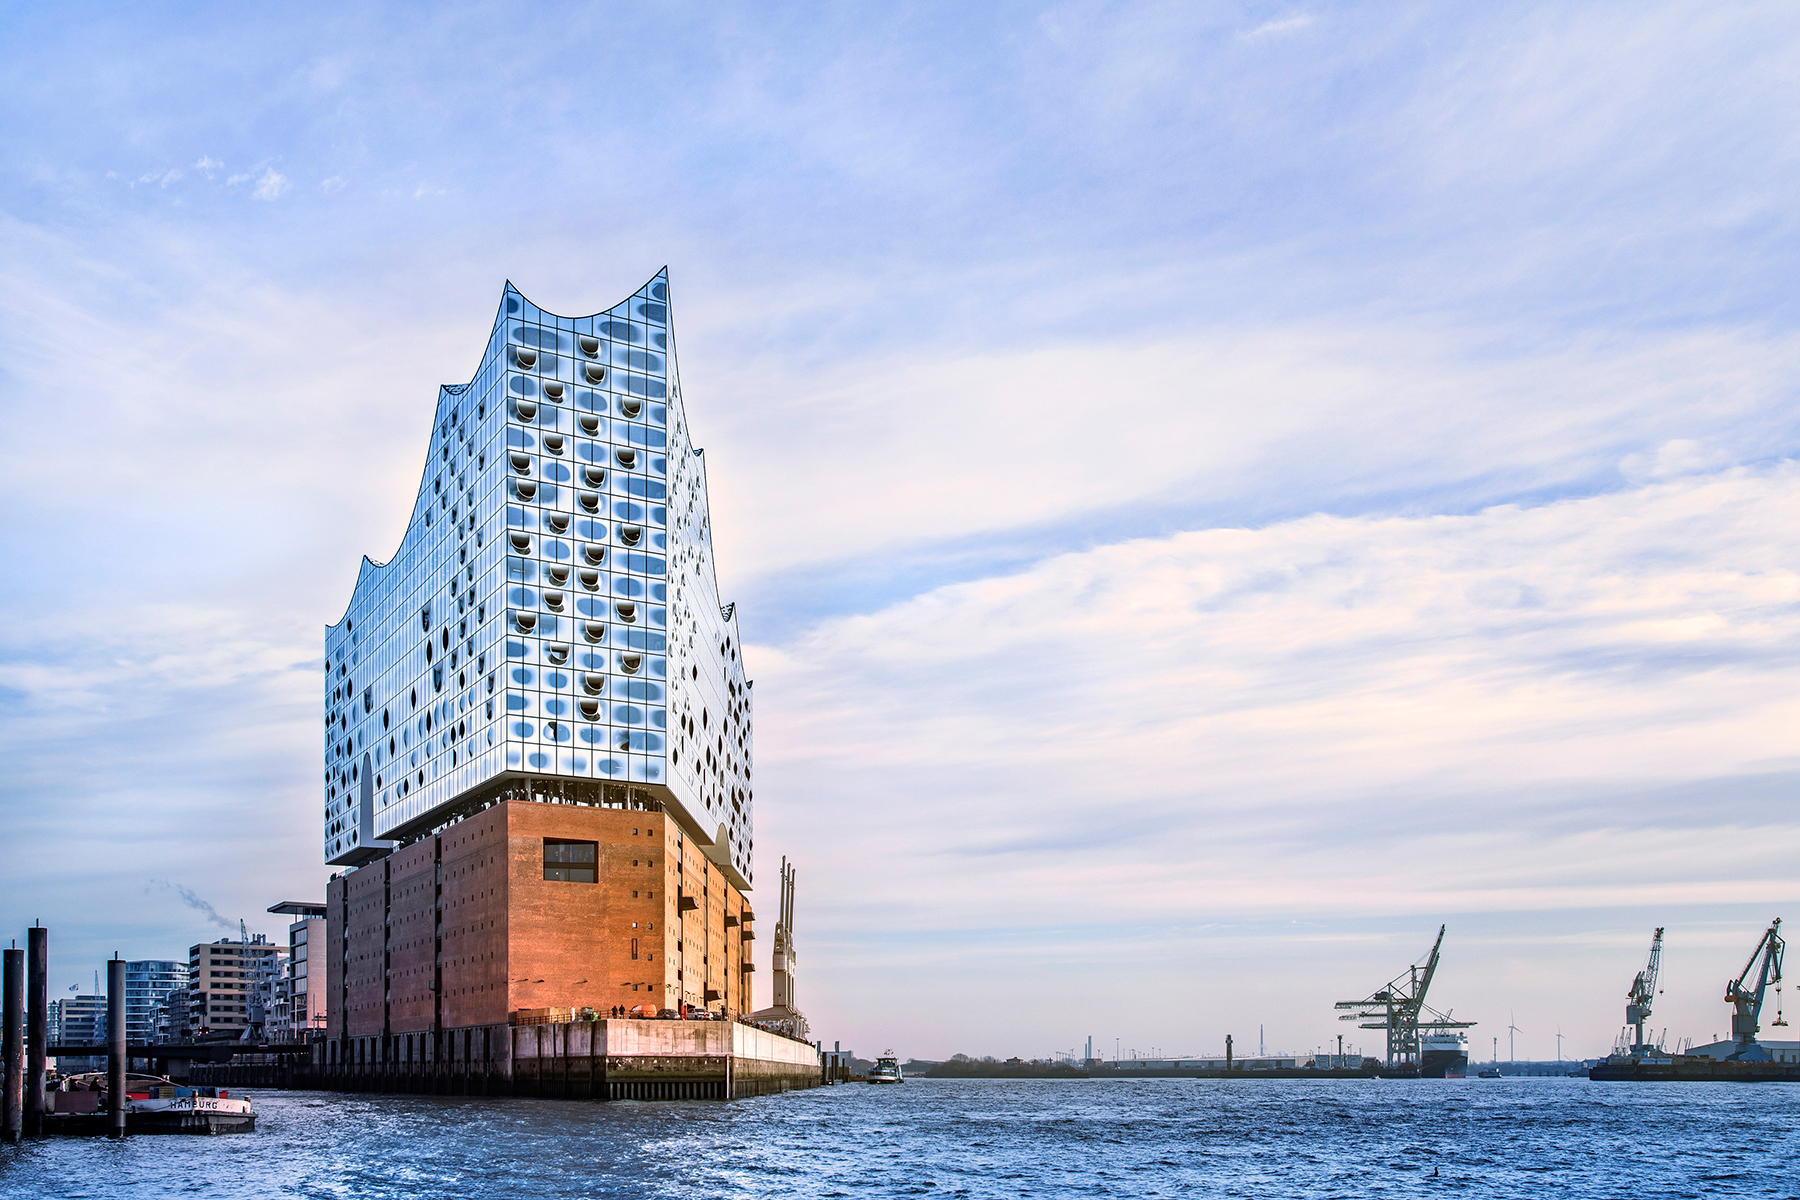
x=570 y=862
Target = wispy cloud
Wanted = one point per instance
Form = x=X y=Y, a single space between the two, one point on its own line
x=333 y=184
x=1677 y=456
x=1279 y=27
x=208 y=165
x=272 y=185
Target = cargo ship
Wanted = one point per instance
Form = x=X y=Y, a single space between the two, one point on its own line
x=1443 y=1055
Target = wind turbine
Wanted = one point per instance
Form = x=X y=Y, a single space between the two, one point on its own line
x=1559 y=1041
x=1511 y=1029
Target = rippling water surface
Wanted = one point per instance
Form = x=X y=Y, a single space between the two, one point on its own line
x=1514 y=1137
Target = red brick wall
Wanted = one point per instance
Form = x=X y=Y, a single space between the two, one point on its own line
x=363 y=966
x=570 y=943
x=475 y=925
x=411 y=936
x=738 y=999
x=710 y=954
x=511 y=939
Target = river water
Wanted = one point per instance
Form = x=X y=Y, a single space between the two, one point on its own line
x=1563 y=1138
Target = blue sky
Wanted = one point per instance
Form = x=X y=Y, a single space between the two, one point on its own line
x=1212 y=491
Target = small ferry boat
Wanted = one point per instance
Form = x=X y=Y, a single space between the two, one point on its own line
x=887 y=1070
x=1488 y=1073
x=153 y=1104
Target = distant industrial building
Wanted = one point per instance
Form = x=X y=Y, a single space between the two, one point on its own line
x=1256 y=1062
x=301 y=1004
x=1781 y=1052
x=82 y=1023
x=169 y=1016
x=228 y=984
x=537 y=720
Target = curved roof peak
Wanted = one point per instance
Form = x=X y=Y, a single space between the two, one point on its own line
x=650 y=288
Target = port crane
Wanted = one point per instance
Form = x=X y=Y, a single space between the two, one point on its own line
x=1400 y=1009
x=1746 y=1000
x=1643 y=992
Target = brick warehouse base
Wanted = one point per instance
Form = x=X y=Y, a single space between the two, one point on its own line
x=577 y=1060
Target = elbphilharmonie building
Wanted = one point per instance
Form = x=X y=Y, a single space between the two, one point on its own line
x=542 y=665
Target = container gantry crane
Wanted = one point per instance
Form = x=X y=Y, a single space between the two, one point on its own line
x=1746 y=1001
x=1400 y=1009
x=1643 y=994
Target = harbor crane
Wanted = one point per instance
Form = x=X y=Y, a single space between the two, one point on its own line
x=1400 y=1009
x=1747 y=1001
x=1642 y=994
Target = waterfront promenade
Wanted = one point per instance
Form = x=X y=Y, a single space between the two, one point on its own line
x=630 y=1059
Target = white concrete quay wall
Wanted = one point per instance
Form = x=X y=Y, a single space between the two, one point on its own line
x=748 y=1042
x=664 y=1039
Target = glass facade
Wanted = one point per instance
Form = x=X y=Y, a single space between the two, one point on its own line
x=147 y=983
x=552 y=611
